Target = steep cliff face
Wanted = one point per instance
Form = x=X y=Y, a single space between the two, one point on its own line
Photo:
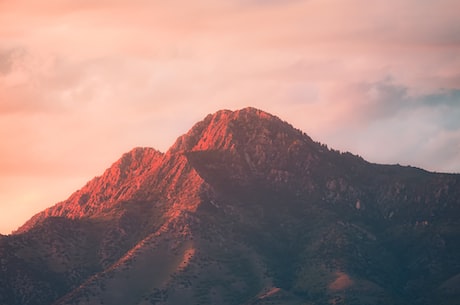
x=243 y=209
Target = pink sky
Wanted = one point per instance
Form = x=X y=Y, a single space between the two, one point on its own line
x=82 y=82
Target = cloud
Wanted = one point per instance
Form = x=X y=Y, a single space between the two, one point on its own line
x=81 y=82
x=386 y=124
x=8 y=57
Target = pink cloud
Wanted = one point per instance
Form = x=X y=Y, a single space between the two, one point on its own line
x=81 y=82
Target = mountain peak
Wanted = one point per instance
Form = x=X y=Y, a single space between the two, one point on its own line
x=255 y=142
x=251 y=111
x=252 y=143
x=247 y=112
x=226 y=129
x=235 y=148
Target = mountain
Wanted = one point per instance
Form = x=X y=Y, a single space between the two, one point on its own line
x=244 y=209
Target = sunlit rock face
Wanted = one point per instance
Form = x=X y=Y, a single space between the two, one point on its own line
x=242 y=209
x=119 y=183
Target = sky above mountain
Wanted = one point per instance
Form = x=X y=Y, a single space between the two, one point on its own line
x=82 y=82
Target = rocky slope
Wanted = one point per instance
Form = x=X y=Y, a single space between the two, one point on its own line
x=243 y=209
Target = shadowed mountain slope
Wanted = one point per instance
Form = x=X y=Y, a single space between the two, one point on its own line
x=243 y=209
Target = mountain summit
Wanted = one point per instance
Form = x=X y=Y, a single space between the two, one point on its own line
x=243 y=209
x=244 y=134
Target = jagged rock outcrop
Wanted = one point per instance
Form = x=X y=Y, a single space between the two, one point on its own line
x=243 y=209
